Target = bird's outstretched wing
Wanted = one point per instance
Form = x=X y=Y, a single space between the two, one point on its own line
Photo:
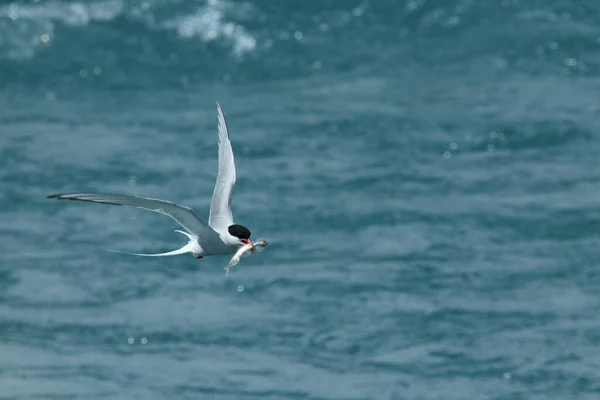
x=183 y=215
x=220 y=207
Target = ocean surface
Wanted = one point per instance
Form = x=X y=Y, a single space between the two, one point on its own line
x=427 y=173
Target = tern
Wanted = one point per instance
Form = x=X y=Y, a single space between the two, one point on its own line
x=219 y=237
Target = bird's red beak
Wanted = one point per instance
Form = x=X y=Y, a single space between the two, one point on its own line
x=248 y=241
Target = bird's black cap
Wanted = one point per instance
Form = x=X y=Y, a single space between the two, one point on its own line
x=239 y=231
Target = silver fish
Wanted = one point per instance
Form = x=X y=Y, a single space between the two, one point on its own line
x=245 y=248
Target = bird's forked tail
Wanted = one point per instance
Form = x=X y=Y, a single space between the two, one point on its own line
x=188 y=248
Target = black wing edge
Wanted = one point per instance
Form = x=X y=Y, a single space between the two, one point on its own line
x=61 y=196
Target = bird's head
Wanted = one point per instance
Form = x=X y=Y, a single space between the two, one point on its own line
x=242 y=234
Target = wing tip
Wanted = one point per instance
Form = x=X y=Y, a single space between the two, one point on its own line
x=79 y=197
x=63 y=196
x=221 y=120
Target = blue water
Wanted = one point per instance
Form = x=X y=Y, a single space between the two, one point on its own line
x=426 y=172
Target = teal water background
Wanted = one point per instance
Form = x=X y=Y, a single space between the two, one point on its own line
x=426 y=172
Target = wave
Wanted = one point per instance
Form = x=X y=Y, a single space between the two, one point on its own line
x=118 y=43
x=27 y=29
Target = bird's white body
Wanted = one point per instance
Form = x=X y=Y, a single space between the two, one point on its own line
x=204 y=239
x=227 y=245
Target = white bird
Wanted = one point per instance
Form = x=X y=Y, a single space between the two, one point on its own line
x=220 y=236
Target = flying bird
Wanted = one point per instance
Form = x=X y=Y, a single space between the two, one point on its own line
x=219 y=237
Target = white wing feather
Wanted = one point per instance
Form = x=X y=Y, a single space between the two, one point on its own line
x=220 y=207
x=185 y=216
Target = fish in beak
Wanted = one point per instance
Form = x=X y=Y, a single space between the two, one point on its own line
x=248 y=246
x=249 y=242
